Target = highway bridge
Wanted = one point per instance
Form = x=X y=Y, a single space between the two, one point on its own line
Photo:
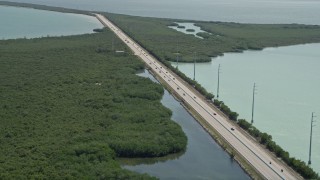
x=257 y=156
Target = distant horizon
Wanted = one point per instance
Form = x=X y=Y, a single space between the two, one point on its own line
x=286 y=72
x=269 y=12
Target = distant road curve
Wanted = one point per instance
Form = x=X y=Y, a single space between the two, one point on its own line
x=260 y=158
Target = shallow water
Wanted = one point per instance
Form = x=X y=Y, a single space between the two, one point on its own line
x=31 y=23
x=288 y=86
x=187 y=26
x=287 y=78
x=251 y=11
x=203 y=159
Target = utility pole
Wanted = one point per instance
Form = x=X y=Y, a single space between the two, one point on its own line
x=194 y=66
x=177 y=56
x=177 y=60
x=312 y=117
x=218 y=82
x=253 y=94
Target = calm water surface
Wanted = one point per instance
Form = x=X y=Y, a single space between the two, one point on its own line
x=31 y=23
x=288 y=80
x=187 y=26
x=203 y=159
x=252 y=11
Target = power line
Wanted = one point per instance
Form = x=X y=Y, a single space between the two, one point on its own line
x=194 y=67
x=312 y=121
x=177 y=60
x=254 y=92
x=218 y=86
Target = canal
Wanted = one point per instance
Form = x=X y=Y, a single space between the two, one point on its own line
x=203 y=159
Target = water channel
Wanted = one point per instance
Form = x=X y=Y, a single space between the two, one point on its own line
x=203 y=159
x=287 y=77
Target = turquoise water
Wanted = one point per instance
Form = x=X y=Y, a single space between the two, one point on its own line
x=287 y=77
x=251 y=11
x=288 y=86
x=203 y=159
x=30 y=23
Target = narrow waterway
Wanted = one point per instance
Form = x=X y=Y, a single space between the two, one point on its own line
x=288 y=86
x=203 y=159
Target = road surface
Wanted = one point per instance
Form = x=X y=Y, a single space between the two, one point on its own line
x=253 y=152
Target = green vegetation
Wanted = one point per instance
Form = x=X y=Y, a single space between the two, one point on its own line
x=190 y=30
x=195 y=84
x=173 y=24
x=98 y=30
x=226 y=110
x=70 y=132
x=70 y=106
x=266 y=140
x=222 y=37
x=162 y=42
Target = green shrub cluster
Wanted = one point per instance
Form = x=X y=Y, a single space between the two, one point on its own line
x=173 y=24
x=190 y=30
x=195 y=84
x=220 y=38
x=71 y=105
x=266 y=139
x=226 y=110
x=161 y=42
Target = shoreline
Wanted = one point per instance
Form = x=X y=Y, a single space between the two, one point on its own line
x=79 y=23
x=200 y=107
x=91 y=15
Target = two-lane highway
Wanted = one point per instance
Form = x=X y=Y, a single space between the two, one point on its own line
x=254 y=153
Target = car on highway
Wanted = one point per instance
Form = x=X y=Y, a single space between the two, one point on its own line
x=232 y=129
x=214 y=113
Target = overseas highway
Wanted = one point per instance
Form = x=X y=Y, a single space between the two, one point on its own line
x=257 y=156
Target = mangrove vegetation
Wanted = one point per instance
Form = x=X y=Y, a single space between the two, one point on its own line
x=165 y=43
x=222 y=37
x=69 y=106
